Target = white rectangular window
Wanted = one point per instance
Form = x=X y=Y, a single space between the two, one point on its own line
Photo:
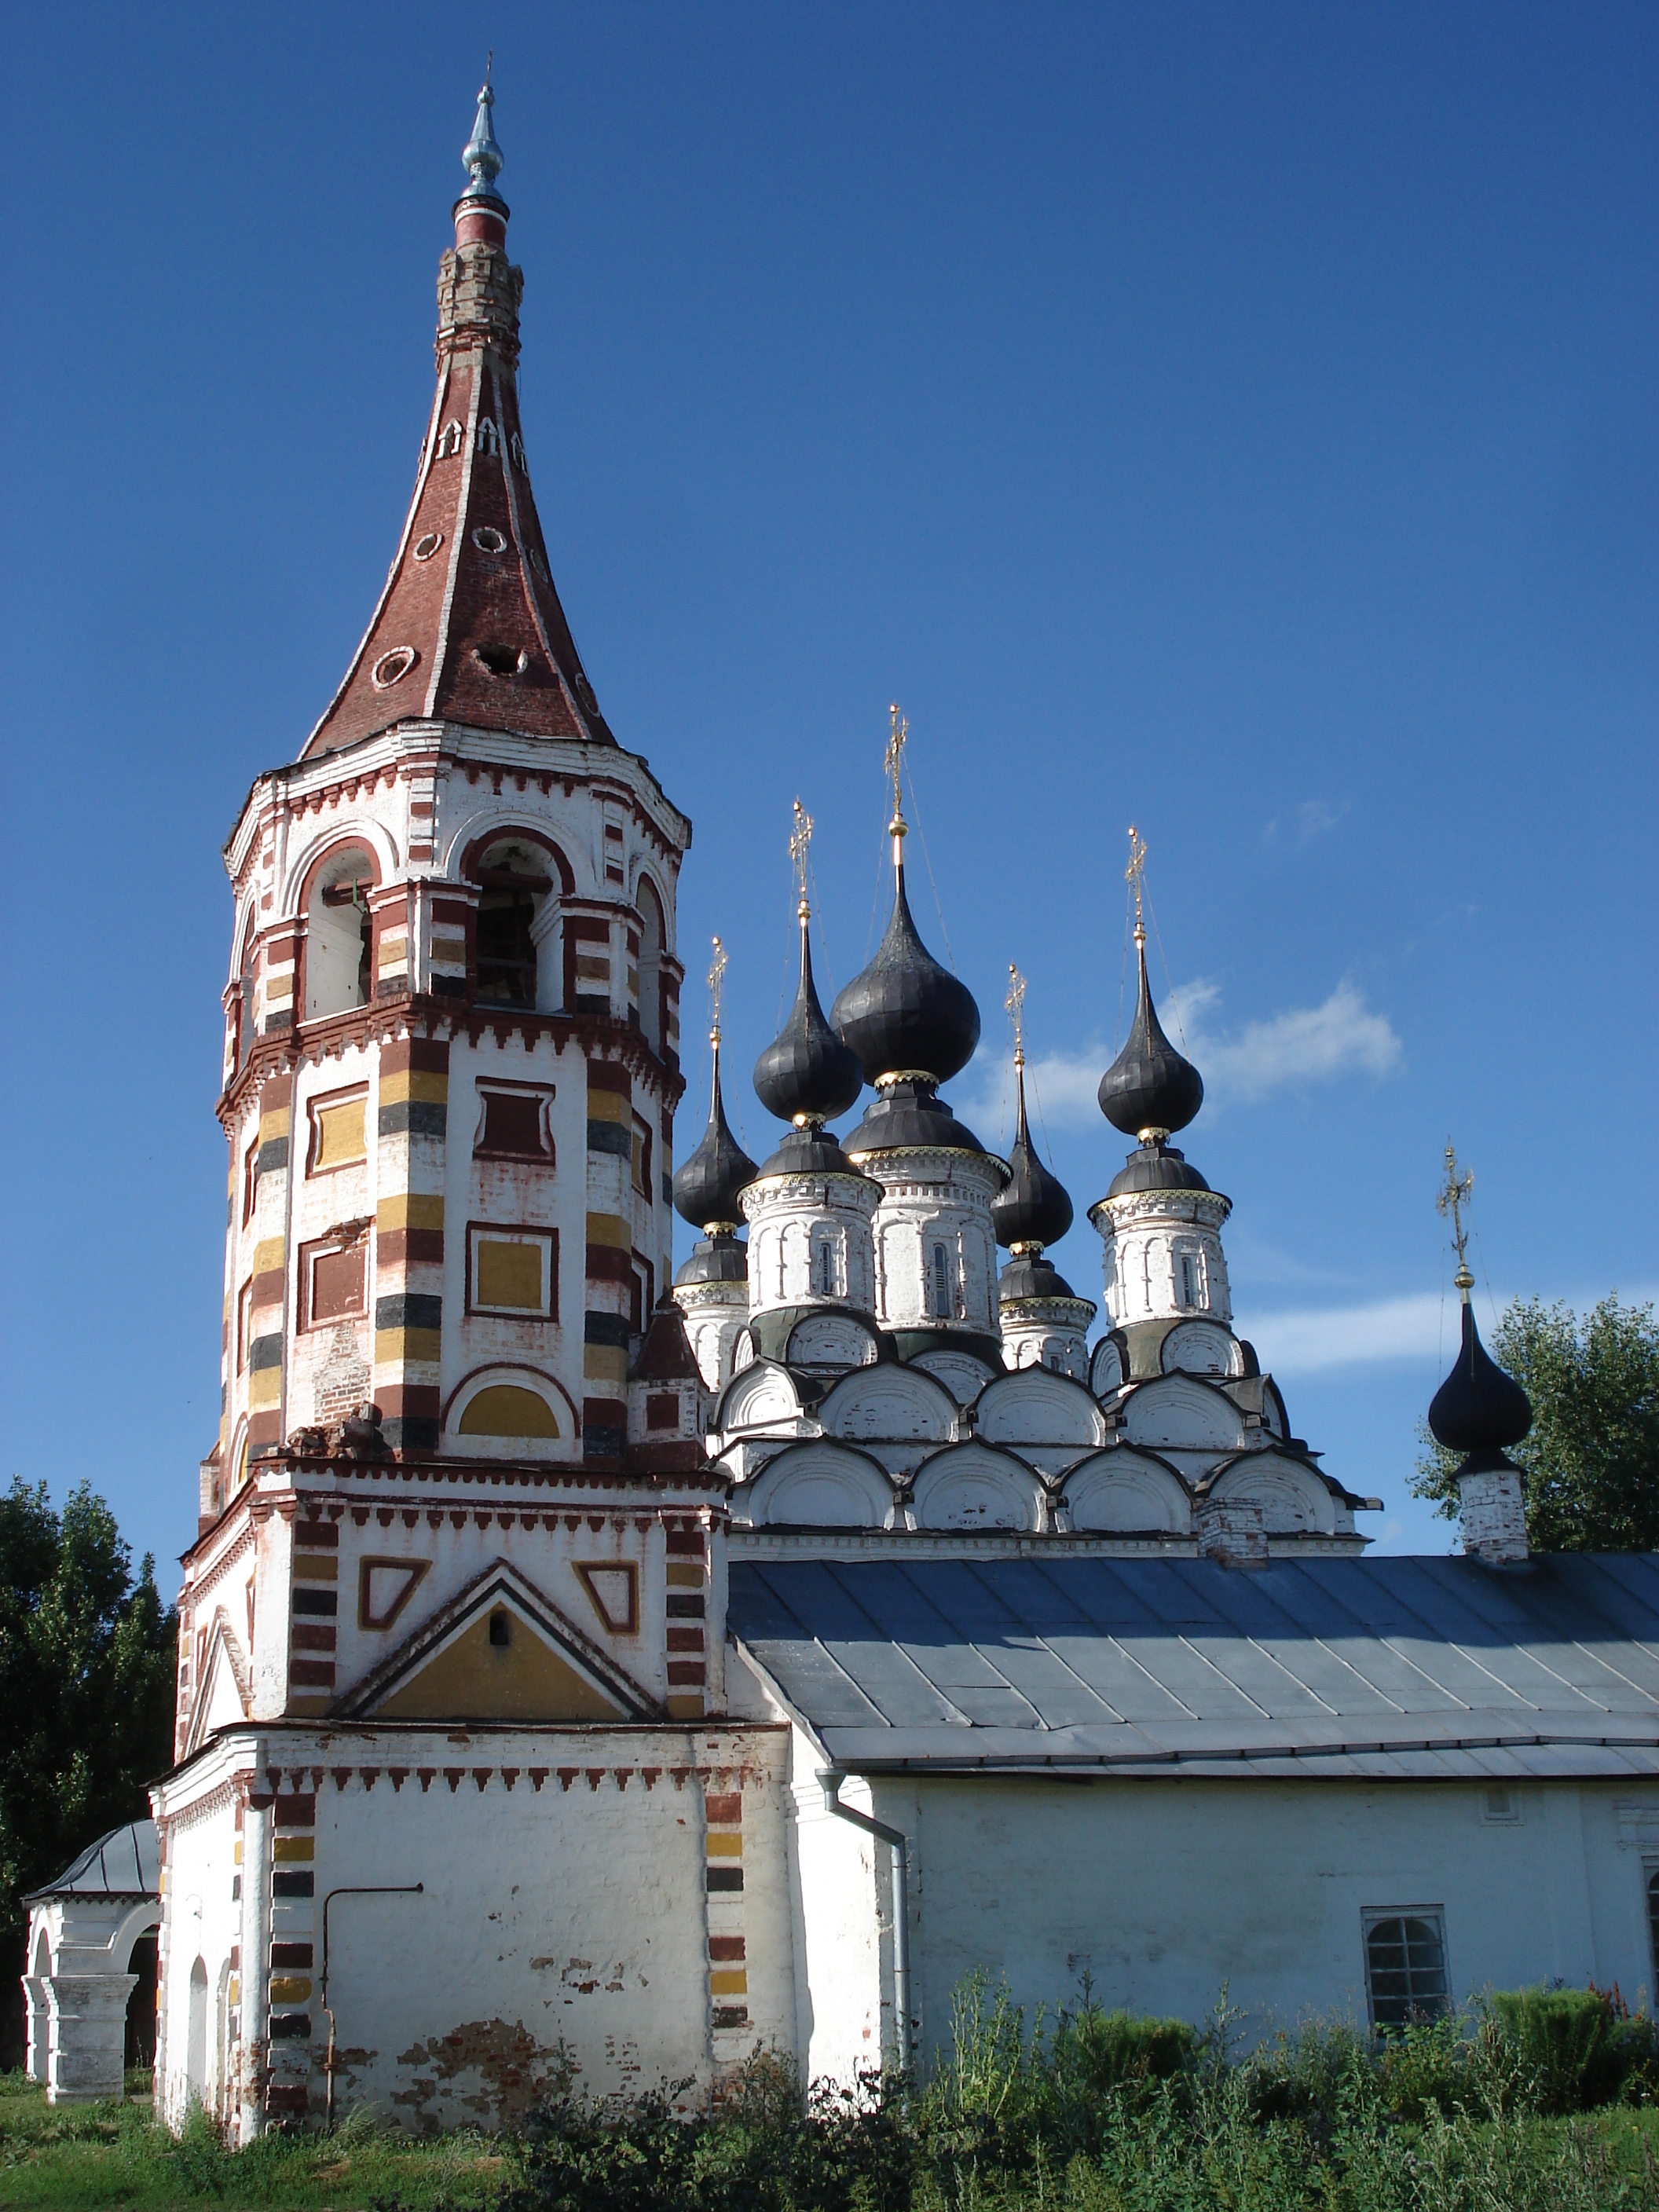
x=1406 y=1964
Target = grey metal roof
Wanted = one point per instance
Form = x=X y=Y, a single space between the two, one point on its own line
x=126 y=1862
x=1399 y=1668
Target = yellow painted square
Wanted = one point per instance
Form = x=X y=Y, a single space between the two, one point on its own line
x=341 y=1138
x=510 y=1275
x=728 y=1982
x=294 y=1847
x=723 y=1846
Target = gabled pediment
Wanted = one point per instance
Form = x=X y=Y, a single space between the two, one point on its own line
x=223 y=1691
x=501 y=1651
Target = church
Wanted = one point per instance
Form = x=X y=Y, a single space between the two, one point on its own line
x=585 y=1663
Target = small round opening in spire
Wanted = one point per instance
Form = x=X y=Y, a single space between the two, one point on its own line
x=489 y=540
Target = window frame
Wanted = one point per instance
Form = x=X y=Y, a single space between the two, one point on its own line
x=244 y=1324
x=487 y=1087
x=326 y=1247
x=513 y=1232
x=1375 y=1917
x=327 y=1102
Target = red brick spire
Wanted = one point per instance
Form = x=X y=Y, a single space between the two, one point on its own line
x=469 y=627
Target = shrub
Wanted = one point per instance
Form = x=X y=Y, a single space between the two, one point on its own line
x=1574 y=2054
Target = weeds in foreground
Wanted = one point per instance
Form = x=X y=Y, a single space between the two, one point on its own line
x=1083 y=2111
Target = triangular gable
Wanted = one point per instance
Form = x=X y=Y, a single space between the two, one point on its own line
x=538 y=1667
x=222 y=1685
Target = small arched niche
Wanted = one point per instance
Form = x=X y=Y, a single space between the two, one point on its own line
x=339 y=933
x=516 y=883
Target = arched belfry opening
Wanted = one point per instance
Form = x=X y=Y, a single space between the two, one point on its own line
x=339 y=934
x=654 y=941
x=516 y=909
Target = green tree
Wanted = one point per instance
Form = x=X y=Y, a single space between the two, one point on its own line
x=88 y=1662
x=1590 y=1466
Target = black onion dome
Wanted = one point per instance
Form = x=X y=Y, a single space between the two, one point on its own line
x=1029 y=1275
x=706 y=1187
x=904 y=1013
x=1033 y=1208
x=717 y=1259
x=1153 y=1166
x=807 y=1072
x=908 y=1116
x=809 y=1151
x=1479 y=1410
x=1149 y=1085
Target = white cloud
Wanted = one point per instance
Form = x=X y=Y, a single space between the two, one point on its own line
x=1301 y=1340
x=1316 y=815
x=1312 y=818
x=1305 y=1044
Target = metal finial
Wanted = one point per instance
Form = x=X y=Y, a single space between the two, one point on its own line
x=482 y=155
x=893 y=761
x=716 y=975
x=800 y=846
x=1133 y=874
x=1451 y=1201
x=1015 y=1004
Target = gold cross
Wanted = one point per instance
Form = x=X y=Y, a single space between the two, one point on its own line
x=800 y=846
x=1015 y=1005
x=716 y=973
x=1452 y=1200
x=894 y=759
x=1133 y=874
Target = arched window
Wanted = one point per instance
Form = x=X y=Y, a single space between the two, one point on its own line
x=944 y=1306
x=826 y=1270
x=1189 y=1279
x=340 y=935
x=1405 y=1967
x=514 y=886
x=488 y=437
x=653 y=939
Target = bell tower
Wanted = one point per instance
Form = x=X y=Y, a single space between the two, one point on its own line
x=452 y=1032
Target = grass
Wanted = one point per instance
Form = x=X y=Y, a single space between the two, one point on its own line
x=1085 y=2110
x=72 y=2156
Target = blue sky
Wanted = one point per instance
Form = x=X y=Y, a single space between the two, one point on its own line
x=1240 y=421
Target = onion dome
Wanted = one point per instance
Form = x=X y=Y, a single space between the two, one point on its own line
x=904 y=1015
x=1149 y=1091
x=806 y=1075
x=1478 y=1410
x=1028 y=1275
x=706 y=1187
x=808 y=1149
x=1033 y=1208
x=906 y=1115
x=1156 y=1166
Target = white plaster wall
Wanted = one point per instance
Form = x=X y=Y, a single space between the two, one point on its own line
x=788 y=1216
x=1145 y=1236
x=202 y=1919
x=842 y=1939
x=1162 y=1891
x=950 y=1205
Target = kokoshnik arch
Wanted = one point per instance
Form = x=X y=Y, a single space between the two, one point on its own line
x=572 y=1660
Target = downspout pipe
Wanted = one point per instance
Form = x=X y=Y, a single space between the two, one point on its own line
x=831 y=1780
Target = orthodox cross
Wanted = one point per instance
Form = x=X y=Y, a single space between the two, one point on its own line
x=1131 y=876
x=894 y=759
x=1451 y=1201
x=1015 y=1004
x=716 y=975
x=800 y=848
